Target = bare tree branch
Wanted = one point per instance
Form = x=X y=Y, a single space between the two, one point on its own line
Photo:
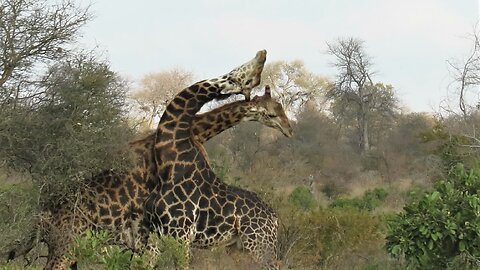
x=33 y=32
x=293 y=85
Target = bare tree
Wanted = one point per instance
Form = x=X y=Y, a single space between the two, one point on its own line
x=354 y=92
x=463 y=118
x=293 y=85
x=33 y=32
x=466 y=74
x=157 y=89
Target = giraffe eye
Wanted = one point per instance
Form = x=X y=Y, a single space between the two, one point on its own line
x=271 y=115
x=248 y=81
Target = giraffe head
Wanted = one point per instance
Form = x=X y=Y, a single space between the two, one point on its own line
x=270 y=113
x=245 y=77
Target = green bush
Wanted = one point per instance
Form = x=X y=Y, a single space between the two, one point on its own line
x=78 y=128
x=368 y=202
x=173 y=254
x=302 y=198
x=434 y=230
x=18 y=209
x=92 y=251
x=11 y=266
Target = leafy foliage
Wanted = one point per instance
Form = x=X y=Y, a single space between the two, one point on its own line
x=77 y=127
x=18 y=206
x=368 y=202
x=442 y=225
x=11 y=266
x=173 y=254
x=156 y=91
x=449 y=146
x=302 y=198
x=92 y=251
x=357 y=100
x=293 y=84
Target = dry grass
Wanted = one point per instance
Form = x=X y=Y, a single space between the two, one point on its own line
x=222 y=258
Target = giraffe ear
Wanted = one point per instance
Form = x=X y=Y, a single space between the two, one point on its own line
x=267 y=90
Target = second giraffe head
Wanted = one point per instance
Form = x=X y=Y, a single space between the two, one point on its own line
x=245 y=77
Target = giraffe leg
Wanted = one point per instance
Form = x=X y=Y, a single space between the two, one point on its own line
x=58 y=248
x=261 y=244
x=60 y=263
x=57 y=241
x=59 y=238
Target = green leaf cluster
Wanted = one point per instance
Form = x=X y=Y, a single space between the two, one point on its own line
x=94 y=251
x=76 y=128
x=302 y=198
x=445 y=223
x=368 y=202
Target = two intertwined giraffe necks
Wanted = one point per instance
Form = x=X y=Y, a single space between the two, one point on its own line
x=204 y=127
x=190 y=203
x=174 y=148
x=175 y=152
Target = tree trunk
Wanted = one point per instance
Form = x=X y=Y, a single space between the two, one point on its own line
x=364 y=129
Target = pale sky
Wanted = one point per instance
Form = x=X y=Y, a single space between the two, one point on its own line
x=409 y=40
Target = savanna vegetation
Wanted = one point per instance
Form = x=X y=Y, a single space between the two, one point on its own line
x=362 y=184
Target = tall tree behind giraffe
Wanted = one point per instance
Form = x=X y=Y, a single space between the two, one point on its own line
x=354 y=91
x=294 y=85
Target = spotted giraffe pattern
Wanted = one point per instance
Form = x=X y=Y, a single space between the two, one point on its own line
x=100 y=204
x=189 y=202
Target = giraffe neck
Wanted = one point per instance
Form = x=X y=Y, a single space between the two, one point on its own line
x=174 y=146
x=204 y=127
x=210 y=124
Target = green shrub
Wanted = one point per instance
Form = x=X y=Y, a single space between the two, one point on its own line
x=302 y=198
x=434 y=230
x=92 y=251
x=11 y=266
x=78 y=128
x=18 y=209
x=368 y=202
x=173 y=254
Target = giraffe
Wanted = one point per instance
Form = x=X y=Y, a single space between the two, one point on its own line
x=189 y=202
x=102 y=200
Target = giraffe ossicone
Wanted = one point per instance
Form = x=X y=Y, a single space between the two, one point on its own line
x=246 y=76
